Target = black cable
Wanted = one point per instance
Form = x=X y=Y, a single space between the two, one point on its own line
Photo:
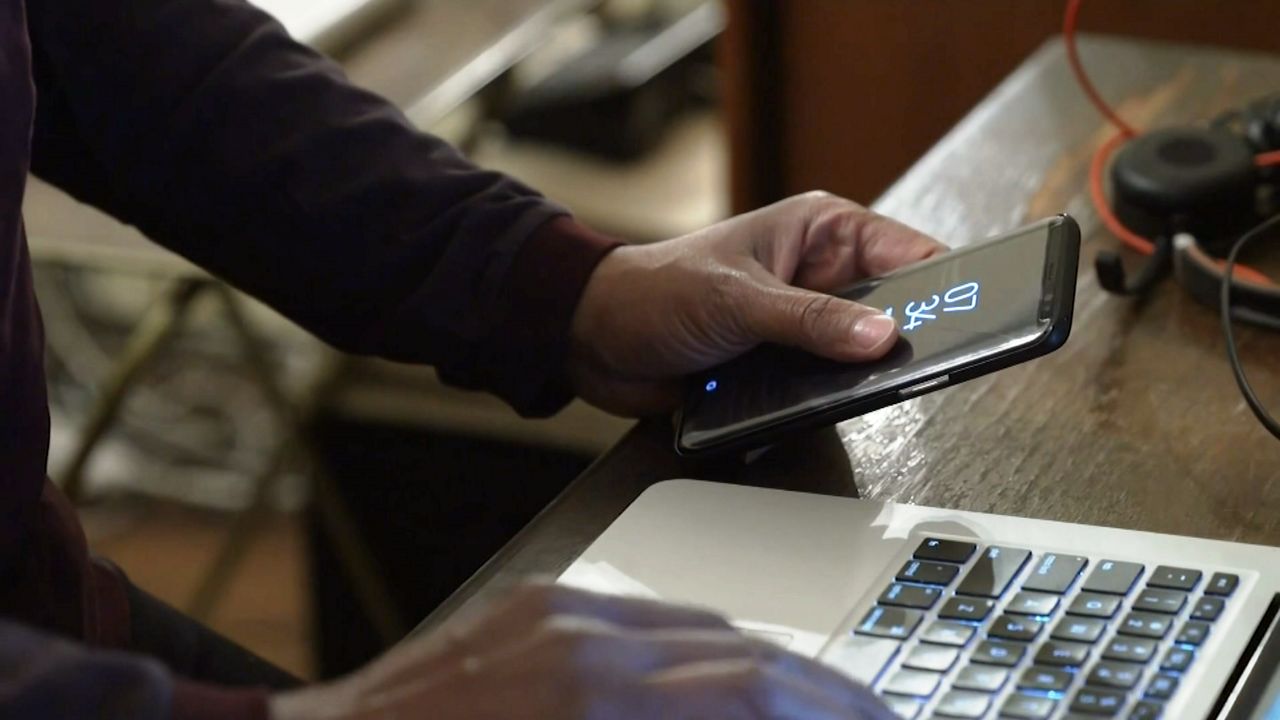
x=1233 y=355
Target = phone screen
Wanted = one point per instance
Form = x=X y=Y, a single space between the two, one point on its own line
x=981 y=301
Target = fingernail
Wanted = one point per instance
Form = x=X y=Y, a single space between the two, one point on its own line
x=872 y=330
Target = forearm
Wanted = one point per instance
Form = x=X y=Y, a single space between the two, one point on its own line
x=201 y=122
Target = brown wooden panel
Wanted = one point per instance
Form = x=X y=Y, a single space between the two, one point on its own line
x=747 y=56
x=863 y=87
x=870 y=85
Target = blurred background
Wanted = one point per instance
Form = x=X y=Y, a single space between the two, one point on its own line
x=315 y=506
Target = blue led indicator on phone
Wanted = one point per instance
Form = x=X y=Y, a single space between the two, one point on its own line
x=712 y=385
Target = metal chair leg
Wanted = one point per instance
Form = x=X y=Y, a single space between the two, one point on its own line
x=353 y=554
x=239 y=537
x=161 y=320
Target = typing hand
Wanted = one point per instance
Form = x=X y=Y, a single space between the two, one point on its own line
x=652 y=314
x=554 y=652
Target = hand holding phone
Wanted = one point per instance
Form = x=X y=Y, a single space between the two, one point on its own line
x=961 y=315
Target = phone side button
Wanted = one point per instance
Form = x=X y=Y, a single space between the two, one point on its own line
x=921 y=388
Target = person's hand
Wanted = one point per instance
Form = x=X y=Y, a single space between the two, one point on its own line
x=554 y=652
x=652 y=314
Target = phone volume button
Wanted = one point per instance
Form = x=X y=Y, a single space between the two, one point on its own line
x=927 y=386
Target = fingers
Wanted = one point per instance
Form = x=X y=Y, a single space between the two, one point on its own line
x=843 y=242
x=551 y=612
x=819 y=323
x=742 y=688
x=837 y=243
x=543 y=599
x=697 y=667
x=628 y=652
x=528 y=607
x=888 y=244
x=550 y=651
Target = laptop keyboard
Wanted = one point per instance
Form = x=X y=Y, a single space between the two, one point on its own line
x=983 y=632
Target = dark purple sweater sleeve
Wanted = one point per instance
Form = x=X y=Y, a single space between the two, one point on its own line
x=44 y=677
x=203 y=124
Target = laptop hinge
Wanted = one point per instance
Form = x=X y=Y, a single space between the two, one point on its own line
x=1254 y=671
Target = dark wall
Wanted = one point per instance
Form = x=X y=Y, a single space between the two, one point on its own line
x=432 y=507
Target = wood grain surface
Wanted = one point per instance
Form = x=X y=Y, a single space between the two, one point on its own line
x=1135 y=423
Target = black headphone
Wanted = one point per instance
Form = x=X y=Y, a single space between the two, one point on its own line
x=1194 y=191
x=1201 y=193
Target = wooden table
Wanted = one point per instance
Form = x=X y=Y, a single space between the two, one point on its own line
x=1135 y=423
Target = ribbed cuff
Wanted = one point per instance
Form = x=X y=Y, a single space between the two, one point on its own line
x=548 y=277
x=197 y=701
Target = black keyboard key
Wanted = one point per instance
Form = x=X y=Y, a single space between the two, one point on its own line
x=1029 y=603
x=1028 y=707
x=1063 y=654
x=1044 y=678
x=1162 y=687
x=1177 y=659
x=992 y=572
x=1194 y=632
x=1079 y=629
x=1012 y=627
x=890 y=622
x=929 y=573
x=973 y=609
x=1113 y=578
x=1097 y=701
x=945 y=550
x=1174 y=578
x=1054 y=573
x=912 y=682
x=983 y=678
x=961 y=704
x=995 y=652
x=1101 y=606
x=1146 y=625
x=904 y=707
x=1161 y=601
x=1222 y=584
x=1109 y=673
x=942 y=632
x=1146 y=710
x=912 y=596
x=1207 y=608
x=935 y=658
x=1130 y=649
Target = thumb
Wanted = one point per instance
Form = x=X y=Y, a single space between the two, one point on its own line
x=819 y=323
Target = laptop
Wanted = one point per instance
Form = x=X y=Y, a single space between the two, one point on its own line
x=954 y=614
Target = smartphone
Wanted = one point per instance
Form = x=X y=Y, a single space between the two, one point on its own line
x=963 y=314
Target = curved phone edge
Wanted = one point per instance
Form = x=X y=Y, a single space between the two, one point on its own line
x=1063 y=229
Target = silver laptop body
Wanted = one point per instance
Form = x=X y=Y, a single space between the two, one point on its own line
x=1036 y=619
